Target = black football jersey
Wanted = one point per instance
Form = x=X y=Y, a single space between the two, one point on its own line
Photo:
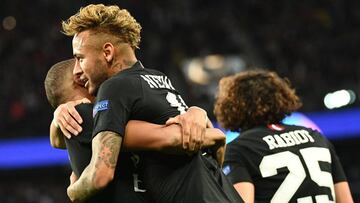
x=125 y=187
x=285 y=163
x=79 y=147
x=148 y=95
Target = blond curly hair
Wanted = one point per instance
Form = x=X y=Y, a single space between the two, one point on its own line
x=253 y=98
x=105 y=19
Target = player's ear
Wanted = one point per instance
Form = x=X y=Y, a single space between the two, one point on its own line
x=108 y=51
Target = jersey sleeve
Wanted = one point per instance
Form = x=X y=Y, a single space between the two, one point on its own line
x=114 y=102
x=85 y=112
x=336 y=167
x=235 y=167
x=79 y=147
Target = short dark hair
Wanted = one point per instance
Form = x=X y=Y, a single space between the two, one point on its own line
x=54 y=81
x=252 y=98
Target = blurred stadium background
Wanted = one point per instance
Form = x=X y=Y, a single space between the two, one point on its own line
x=313 y=43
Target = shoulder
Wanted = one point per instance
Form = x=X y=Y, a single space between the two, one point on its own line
x=121 y=79
x=153 y=71
x=298 y=127
x=85 y=110
x=252 y=134
x=124 y=84
x=244 y=140
x=316 y=134
x=84 y=106
x=255 y=131
x=251 y=140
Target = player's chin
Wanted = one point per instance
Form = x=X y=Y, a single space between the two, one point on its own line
x=92 y=89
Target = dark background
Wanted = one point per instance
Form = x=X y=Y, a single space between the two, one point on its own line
x=313 y=43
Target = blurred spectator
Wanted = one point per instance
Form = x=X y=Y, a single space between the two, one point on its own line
x=314 y=43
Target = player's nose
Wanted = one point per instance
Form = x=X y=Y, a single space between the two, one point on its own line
x=77 y=70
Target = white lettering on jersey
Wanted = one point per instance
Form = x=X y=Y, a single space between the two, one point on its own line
x=136 y=159
x=312 y=156
x=158 y=81
x=151 y=83
x=270 y=141
x=136 y=183
x=288 y=139
x=176 y=101
x=280 y=142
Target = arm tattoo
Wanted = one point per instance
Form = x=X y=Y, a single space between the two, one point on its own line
x=105 y=147
x=109 y=147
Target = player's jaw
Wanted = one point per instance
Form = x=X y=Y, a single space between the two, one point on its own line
x=94 y=77
x=80 y=80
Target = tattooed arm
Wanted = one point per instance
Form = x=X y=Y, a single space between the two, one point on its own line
x=105 y=147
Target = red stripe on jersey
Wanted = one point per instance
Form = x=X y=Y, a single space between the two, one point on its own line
x=276 y=127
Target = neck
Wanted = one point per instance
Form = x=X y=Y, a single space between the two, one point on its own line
x=125 y=59
x=81 y=95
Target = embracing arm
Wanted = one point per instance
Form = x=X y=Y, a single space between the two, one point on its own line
x=141 y=135
x=194 y=123
x=246 y=191
x=66 y=123
x=100 y=172
x=56 y=137
x=187 y=138
x=220 y=152
x=342 y=192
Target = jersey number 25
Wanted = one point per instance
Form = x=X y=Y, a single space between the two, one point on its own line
x=311 y=155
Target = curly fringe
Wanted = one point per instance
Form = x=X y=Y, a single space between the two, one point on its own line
x=105 y=19
x=253 y=98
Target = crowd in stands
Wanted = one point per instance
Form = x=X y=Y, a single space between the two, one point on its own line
x=313 y=43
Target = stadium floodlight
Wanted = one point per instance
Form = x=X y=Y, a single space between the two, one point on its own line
x=339 y=99
x=9 y=23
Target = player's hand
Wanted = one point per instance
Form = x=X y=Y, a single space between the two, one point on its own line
x=68 y=119
x=73 y=178
x=193 y=124
x=71 y=198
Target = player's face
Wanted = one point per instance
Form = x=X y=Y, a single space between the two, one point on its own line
x=72 y=87
x=90 y=66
